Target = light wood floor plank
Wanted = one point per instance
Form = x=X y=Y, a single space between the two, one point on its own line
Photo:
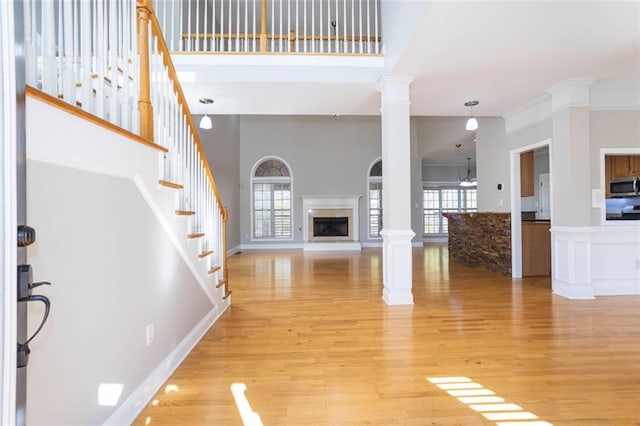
x=310 y=336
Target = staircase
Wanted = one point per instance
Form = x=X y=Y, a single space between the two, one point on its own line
x=107 y=61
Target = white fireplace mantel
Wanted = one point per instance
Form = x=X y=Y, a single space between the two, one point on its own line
x=325 y=202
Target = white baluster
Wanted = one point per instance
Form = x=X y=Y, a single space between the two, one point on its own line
x=328 y=26
x=85 y=41
x=375 y=22
x=320 y=21
x=344 y=28
x=229 y=13
x=255 y=11
x=222 y=34
x=189 y=47
x=368 y=28
x=353 y=27
x=273 y=25
x=304 y=23
x=313 y=26
x=30 y=52
x=246 y=28
x=237 y=26
x=288 y=27
x=337 y=29
x=68 y=77
x=360 y=26
x=280 y=27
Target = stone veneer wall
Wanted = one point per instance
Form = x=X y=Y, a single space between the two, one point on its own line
x=481 y=240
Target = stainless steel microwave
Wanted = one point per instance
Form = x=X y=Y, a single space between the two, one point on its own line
x=625 y=187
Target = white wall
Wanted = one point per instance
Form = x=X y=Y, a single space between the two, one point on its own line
x=113 y=271
x=492 y=162
x=222 y=147
x=118 y=259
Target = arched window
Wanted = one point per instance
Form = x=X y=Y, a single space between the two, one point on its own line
x=271 y=191
x=375 y=199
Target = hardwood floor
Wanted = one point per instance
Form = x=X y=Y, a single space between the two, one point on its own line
x=312 y=340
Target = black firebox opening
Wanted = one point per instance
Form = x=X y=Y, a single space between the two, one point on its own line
x=331 y=226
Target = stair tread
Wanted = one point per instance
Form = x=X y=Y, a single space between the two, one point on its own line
x=205 y=254
x=185 y=213
x=195 y=235
x=221 y=283
x=227 y=294
x=214 y=269
x=170 y=184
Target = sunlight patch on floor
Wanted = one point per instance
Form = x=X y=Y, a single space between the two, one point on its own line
x=485 y=401
x=249 y=417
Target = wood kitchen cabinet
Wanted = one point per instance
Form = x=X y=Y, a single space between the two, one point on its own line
x=536 y=249
x=527 y=178
x=634 y=165
x=623 y=165
x=608 y=174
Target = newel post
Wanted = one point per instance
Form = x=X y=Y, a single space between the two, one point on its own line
x=143 y=12
x=225 y=216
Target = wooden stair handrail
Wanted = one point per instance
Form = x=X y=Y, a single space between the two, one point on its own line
x=166 y=57
x=145 y=16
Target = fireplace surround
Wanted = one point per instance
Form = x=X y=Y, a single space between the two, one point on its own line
x=330 y=222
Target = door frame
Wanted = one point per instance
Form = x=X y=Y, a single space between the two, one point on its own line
x=8 y=214
x=516 y=209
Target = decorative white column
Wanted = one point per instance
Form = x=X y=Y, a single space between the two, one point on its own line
x=396 y=190
x=571 y=190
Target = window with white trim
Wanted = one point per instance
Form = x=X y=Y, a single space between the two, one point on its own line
x=438 y=200
x=271 y=191
x=375 y=200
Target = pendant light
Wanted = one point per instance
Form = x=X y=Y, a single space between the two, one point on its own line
x=467 y=181
x=472 y=123
x=206 y=122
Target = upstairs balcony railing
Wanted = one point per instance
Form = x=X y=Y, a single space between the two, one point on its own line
x=271 y=26
x=109 y=58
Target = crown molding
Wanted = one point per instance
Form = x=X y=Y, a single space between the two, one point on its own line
x=534 y=112
x=574 y=93
x=570 y=94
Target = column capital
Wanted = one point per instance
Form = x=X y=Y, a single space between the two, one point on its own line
x=569 y=94
x=394 y=88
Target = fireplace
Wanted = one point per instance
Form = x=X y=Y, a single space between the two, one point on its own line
x=330 y=222
x=331 y=226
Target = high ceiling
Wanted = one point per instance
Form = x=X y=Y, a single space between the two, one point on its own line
x=501 y=53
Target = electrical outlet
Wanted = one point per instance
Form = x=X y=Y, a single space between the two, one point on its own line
x=150 y=333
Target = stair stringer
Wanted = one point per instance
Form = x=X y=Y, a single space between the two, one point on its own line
x=66 y=140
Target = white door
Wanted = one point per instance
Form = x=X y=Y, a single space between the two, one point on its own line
x=544 y=197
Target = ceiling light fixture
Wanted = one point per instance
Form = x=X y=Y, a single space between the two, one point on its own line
x=206 y=122
x=468 y=181
x=472 y=123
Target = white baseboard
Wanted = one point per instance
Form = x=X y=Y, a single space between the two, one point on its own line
x=127 y=412
x=234 y=250
x=286 y=246
x=435 y=240
x=372 y=244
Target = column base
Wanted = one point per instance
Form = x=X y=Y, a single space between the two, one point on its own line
x=397 y=266
x=397 y=297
